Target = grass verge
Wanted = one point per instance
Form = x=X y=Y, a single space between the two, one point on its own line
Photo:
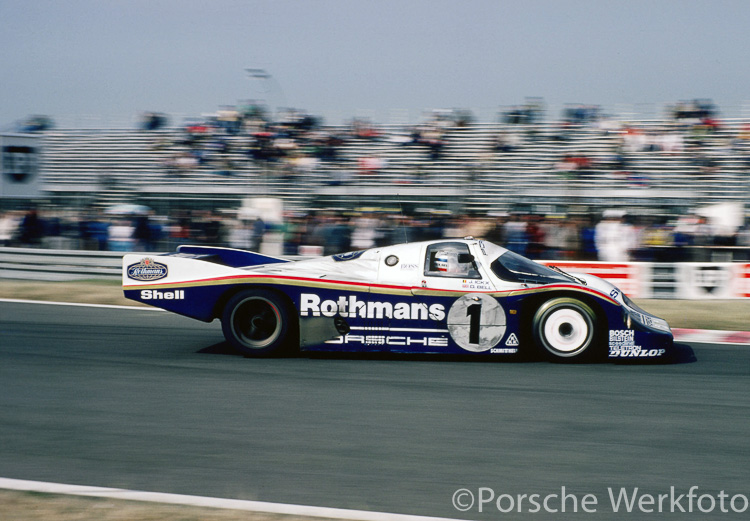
x=36 y=506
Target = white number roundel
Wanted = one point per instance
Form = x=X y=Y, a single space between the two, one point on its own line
x=477 y=322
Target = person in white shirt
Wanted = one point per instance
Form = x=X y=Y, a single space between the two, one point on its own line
x=614 y=238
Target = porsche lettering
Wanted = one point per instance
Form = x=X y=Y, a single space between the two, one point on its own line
x=387 y=340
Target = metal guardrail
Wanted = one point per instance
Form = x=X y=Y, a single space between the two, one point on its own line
x=59 y=265
x=64 y=265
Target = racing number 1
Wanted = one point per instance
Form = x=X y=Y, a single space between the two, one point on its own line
x=474 y=312
x=476 y=322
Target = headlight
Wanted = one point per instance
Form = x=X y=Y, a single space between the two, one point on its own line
x=640 y=316
x=649 y=321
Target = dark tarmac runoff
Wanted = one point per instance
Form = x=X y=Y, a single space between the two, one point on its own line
x=146 y=400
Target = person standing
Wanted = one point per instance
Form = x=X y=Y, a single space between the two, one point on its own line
x=614 y=237
x=31 y=229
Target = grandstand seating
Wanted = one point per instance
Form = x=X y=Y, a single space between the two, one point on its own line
x=103 y=167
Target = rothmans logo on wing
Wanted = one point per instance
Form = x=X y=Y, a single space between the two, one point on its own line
x=147 y=269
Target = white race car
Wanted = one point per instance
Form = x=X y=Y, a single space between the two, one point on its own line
x=456 y=296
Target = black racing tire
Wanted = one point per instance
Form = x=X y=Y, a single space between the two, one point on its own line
x=565 y=330
x=259 y=323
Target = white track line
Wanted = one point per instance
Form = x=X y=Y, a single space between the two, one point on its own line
x=52 y=303
x=210 y=502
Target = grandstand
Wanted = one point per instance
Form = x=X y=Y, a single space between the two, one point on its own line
x=103 y=167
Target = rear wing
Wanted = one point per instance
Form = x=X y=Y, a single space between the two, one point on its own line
x=227 y=256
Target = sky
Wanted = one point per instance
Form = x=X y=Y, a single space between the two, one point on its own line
x=390 y=60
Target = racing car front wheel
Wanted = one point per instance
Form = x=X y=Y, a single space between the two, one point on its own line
x=565 y=329
x=257 y=323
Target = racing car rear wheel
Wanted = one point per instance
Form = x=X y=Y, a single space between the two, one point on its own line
x=565 y=329
x=257 y=323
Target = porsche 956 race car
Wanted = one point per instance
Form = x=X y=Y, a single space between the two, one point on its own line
x=455 y=296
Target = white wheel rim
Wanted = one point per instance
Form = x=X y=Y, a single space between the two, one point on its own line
x=566 y=330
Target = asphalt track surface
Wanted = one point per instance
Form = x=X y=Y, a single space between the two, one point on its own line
x=146 y=400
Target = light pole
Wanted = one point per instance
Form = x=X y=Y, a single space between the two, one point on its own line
x=269 y=83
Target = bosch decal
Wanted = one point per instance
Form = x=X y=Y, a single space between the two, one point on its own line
x=621 y=337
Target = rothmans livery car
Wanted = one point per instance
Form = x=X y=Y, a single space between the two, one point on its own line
x=458 y=296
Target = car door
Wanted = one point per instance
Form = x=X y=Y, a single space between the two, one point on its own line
x=453 y=279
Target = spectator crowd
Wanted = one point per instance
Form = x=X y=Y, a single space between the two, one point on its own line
x=613 y=236
x=297 y=142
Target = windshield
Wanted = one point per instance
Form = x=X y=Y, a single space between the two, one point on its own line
x=515 y=268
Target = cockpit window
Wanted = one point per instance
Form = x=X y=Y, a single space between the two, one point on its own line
x=515 y=268
x=450 y=259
